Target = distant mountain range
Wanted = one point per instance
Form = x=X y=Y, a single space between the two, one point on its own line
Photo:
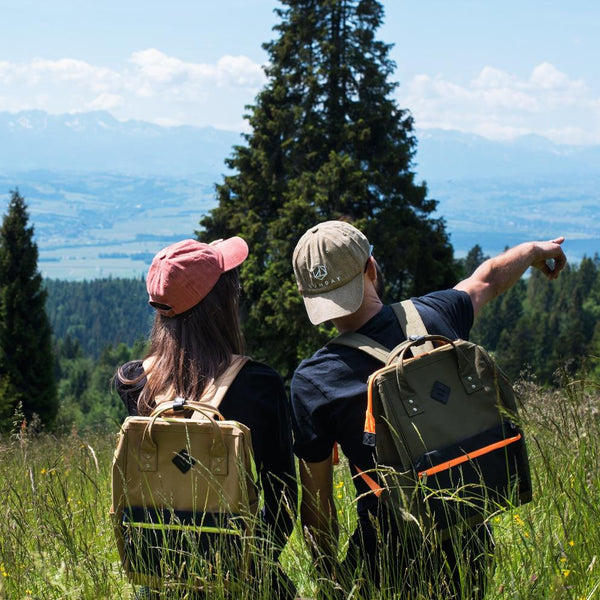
x=96 y=141
x=105 y=195
x=451 y=154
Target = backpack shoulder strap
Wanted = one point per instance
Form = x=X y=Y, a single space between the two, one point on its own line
x=216 y=391
x=412 y=324
x=362 y=342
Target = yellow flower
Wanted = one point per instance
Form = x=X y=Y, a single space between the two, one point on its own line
x=339 y=485
x=571 y=543
x=566 y=572
x=43 y=471
x=519 y=521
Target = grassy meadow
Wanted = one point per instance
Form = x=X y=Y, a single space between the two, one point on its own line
x=56 y=539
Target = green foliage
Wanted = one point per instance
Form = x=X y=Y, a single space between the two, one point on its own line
x=26 y=365
x=327 y=142
x=474 y=258
x=87 y=399
x=99 y=313
x=544 y=326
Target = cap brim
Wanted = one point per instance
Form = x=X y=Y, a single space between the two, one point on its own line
x=336 y=303
x=234 y=251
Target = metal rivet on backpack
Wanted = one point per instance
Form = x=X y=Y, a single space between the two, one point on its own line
x=147 y=465
x=469 y=378
x=415 y=409
x=473 y=386
x=411 y=401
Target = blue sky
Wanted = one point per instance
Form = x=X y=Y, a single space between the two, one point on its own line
x=498 y=69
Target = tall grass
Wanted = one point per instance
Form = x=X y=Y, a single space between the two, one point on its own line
x=56 y=538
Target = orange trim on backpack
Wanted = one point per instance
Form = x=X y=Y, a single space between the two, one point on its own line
x=469 y=456
x=335 y=455
x=369 y=418
x=373 y=485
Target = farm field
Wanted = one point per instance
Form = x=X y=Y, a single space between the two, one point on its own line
x=95 y=225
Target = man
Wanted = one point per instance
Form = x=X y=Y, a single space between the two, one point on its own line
x=340 y=281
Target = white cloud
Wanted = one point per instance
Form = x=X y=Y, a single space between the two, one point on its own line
x=151 y=86
x=155 y=67
x=164 y=89
x=502 y=105
x=548 y=77
x=105 y=101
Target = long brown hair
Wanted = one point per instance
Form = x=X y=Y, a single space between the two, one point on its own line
x=189 y=350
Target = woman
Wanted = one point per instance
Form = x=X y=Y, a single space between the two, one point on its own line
x=195 y=289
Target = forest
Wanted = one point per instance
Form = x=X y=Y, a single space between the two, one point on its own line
x=546 y=330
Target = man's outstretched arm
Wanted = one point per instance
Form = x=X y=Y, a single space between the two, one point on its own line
x=498 y=274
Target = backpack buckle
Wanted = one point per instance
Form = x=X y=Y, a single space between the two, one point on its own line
x=178 y=404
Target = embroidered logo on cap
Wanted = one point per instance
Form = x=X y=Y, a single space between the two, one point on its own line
x=319 y=272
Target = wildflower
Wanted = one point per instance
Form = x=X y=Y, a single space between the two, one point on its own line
x=519 y=521
x=339 y=485
x=566 y=572
x=571 y=543
x=43 y=471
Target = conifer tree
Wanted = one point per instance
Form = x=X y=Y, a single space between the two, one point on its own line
x=26 y=362
x=327 y=141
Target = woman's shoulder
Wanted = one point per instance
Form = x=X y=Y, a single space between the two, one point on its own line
x=255 y=368
x=256 y=377
x=131 y=370
x=259 y=372
x=129 y=382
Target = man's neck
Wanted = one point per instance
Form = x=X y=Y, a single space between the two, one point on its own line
x=368 y=309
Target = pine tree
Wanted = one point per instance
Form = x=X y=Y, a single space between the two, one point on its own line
x=327 y=141
x=26 y=362
x=474 y=258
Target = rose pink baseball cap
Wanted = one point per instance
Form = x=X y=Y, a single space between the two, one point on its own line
x=181 y=275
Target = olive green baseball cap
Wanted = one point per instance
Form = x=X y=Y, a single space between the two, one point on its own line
x=329 y=262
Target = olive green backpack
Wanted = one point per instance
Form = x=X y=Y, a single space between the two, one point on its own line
x=443 y=420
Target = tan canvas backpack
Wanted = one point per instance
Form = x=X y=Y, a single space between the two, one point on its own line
x=184 y=493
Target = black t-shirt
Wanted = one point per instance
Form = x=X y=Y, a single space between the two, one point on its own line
x=256 y=398
x=329 y=389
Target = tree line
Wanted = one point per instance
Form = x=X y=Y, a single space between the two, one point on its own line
x=99 y=312
x=551 y=330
